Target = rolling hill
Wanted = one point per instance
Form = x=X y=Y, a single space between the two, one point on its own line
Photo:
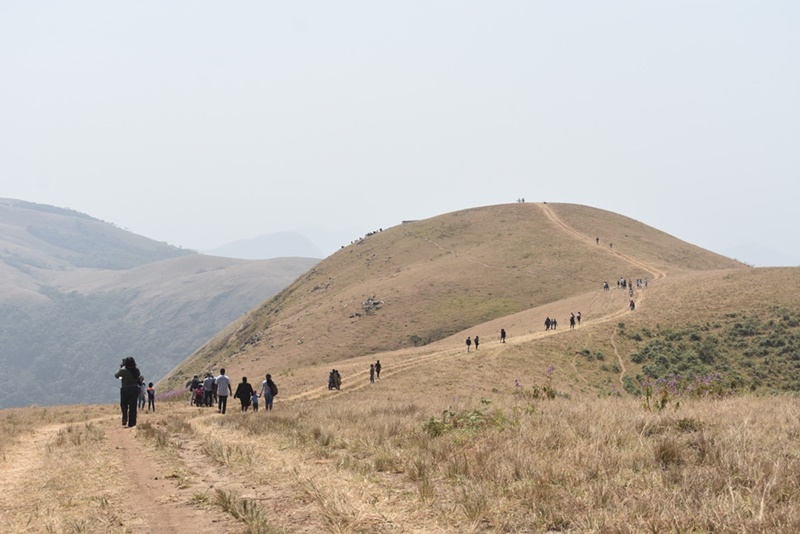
x=551 y=431
x=415 y=288
x=77 y=294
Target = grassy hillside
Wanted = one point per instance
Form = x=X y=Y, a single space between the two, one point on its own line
x=77 y=294
x=551 y=431
x=426 y=280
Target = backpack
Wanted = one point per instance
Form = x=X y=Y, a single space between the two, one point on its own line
x=273 y=389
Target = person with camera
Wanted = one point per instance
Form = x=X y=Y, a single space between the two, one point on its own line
x=129 y=390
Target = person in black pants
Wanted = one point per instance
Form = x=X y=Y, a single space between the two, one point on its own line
x=129 y=390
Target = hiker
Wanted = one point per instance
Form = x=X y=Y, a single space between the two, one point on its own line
x=502 y=335
x=553 y=324
x=224 y=389
x=632 y=305
x=335 y=380
x=605 y=286
x=547 y=324
x=254 y=400
x=129 y=374
x=578 y=317
x=244 y=392
x=477 y=341
x=372 y=373
x=571 y=321
x=378 y=369
x=151 y=397
x=266 y=391
x=469 y=343
x=142 y=400
x=214 y=388
x=208 y=390
x=332 y=379
x=191 y=386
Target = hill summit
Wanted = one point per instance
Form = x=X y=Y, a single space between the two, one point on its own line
x=422 y=281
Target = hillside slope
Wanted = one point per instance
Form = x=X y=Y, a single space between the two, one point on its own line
x=422 y=281
x=77 y=294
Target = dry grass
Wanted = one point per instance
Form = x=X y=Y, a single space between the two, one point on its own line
x=518 y=464
x=489 y=459
x=436 y=278
x=450 y=441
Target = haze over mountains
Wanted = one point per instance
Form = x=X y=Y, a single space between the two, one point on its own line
x=77 y=294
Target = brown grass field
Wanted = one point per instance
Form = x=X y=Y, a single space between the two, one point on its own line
x=535 y=435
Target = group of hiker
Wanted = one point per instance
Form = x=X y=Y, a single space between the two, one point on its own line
x=215 y=391
x=477 y=340
x=552 y=324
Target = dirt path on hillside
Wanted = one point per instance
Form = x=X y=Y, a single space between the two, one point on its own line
x=155 y=492
x=415 y=358
x=550 y=214
x=55 y=480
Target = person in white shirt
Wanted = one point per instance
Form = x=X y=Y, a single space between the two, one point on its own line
x=223 y=390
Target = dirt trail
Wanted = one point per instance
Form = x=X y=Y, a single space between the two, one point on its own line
x=154 y=493
x=609 y=312
x=550 y=214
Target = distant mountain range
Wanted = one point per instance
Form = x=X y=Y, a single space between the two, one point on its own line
x=77 y=294
x=277 y=245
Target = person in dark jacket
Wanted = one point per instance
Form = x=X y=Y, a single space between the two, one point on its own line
x=244 y=392
x=129 y=390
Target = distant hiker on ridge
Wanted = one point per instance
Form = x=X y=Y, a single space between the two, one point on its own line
x=372 y=373
x=378 y=369
x=547 y=324
x=502 y=335
x=469 y=343
x=578 y=317
x=571 y=321
x=476 y=342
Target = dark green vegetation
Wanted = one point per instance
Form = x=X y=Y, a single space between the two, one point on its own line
x=747 y=349
x=77 y=294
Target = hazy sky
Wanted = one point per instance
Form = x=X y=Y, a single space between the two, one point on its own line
x=200 y=123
